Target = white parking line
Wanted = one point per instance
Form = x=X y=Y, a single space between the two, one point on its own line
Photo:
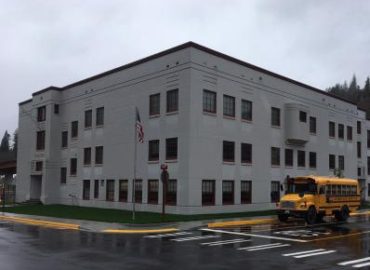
x=219 y=243
x=256 y=235
x=354 y=261
x=278 y=246
x=261 y=246
x=315 y=254
x=303 y=252
x=362 y=265
x=167 y=235
x=195 y=238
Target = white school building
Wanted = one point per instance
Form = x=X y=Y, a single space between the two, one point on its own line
x=230 y=133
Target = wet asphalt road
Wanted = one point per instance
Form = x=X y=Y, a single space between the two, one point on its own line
x=286 y=246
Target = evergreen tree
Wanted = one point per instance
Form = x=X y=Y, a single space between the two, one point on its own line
x=367 y=87
x=15 y=141
x=4 y=146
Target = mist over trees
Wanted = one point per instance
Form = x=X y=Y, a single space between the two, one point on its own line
x=354 y=93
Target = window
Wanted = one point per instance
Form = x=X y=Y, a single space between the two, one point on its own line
x=245 y=192
x=341 y=163
x=246 y=153
x=301 y=158
x=74 y=129
x=56 y=108
x=41 y=114
x=227 y=192
x=289 y=157
x=40 y=140
x=229 y=106
x=153 y=154
x=154 y=104
x=359 y=149
x=63 y=175
x=275 y=156
x=368 y=139
x=368 y=165
x=275 y=117
x=331 y=129
x=96 y=189
x=302 y=117
x=88 y=119
x=208 y=192
x=73 y=167
x=312 y=125
x=340 y=131
x=64 y=139
x=171 y=149
x=275 y=191
x=312 y=161
x=173 y=100
x=153 y=191
x=123 y=190
x=209 y=101
x=100 y=116
x=358 y=171
x=138 y=190
x=110 y=190
x=349 y=133
x=247 y=111
x=98 y=155
x=228 y=151
x=38 y=166
x=331 y=162
x=358 y=127
x=87 y=156
x=86 y=190
x=171 y=195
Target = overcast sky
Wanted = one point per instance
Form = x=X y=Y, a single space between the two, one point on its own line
x=56 y=43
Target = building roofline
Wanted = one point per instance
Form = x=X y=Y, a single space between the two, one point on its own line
x=201 y=48
x=25 y=102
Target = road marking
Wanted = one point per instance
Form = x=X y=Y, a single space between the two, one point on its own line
x=195 y=238
x=362 y=265
x=354 y=261
x=260 y=246
x=167 y=235
x=256 y=235
x=303 y=252
x=338 y=236
x=279 y=246
x=314 y=254
x=219 y=243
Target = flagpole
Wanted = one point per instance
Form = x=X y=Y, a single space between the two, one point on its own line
x=135 y=153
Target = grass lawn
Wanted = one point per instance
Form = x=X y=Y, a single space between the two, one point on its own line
x=120 y=216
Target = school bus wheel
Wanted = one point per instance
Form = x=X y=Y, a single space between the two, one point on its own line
x=311 y=215
x=343 y=214
x=283 y=217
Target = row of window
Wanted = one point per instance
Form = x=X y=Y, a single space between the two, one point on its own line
x=340 y=131
x=289 y=157
x=98 y=155
x=332 y=163
x=123 y=187
x=172 y=104
x=171 y=149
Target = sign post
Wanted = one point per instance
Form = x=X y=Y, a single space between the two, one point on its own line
x=164 y=179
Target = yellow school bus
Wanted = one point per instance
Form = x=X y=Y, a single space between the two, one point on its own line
x=313 y=197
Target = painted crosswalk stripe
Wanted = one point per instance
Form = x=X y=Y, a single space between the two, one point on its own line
x=227 y=242
x=303 y=252
x=262 y=247
x=195 y=238
x=314 y=254
x=354 y=261
x=167 y=235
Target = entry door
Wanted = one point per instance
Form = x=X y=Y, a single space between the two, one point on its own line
x=35 y=189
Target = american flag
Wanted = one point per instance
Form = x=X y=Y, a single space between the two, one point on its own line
x=139 y=127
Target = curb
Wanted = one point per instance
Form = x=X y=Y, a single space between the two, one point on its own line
x=139 y=231
x=44 y=223
x=259 y=221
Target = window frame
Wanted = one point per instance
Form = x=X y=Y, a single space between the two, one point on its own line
x=41 y=114
x=63 y=175
x=155 y=104
x=172 y=101
x=153 y=194
x=40 y=140
x=73 y=167
x=246 y=153
x=99 y=155
x=110 y=190
x=123 y=187
x=228 y=106
x=88 y=119
x=86 y=189
x=226 y=156
x=289 y=162
x=228 y=197
x=74 y=129
x=172 y=154
x=313 y=125
x=275 y=156
x=275 y=117
x=209 y=101
x=99 y=119
x=87 y=156
x=246 y=111
x=275 y=191
x=301 y=159
x=208 y=189
x=312 y=160
x=246 y=195
x=153 y=150
x=64 y=139
x=171 y=193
